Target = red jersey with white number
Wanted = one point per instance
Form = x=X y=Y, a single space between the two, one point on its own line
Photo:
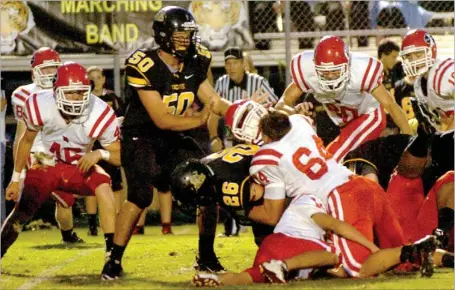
x=18 y=98
x=67 y=142
x=439 y=95
x=297 y=164
x=342 y=106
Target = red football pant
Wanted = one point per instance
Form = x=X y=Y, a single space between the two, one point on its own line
x=41 y=183
x=417 y=214
x=279 y=246
x=361 y=203
x=365 y=128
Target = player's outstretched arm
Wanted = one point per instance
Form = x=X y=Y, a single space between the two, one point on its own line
x=20 y=129
x=290 y=96
x=385 y=99
x=163 y=119
x=212 y=99
x=328 y=223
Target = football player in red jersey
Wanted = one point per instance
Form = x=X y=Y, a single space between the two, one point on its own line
x=70 y=120
x=349 y=86
x=44 y=64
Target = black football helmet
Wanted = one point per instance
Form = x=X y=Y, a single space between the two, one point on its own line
x=172 y=19
x=192 y=182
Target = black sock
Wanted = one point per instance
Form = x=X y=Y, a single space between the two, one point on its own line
x=92 y=220
x=447 y=260
x=418 y=146
x=109 y=239
x=445 y=219
x=66 y=235
x=206 y=250
x=406 y=254
x=117 y=252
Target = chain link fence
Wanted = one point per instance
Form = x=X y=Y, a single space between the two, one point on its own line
x=359 y=19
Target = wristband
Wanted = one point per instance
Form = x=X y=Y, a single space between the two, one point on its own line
x=16 y=176
x=23 y=173
x=105 y=155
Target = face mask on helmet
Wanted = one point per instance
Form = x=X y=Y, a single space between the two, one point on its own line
x=416 y=60
x=175 y=31
x=72 y=89
x=73 y=100
x=43 y=74
x=245 y=122
x=332 y=77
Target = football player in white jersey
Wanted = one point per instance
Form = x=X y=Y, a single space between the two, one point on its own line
x=293 y=162
x=434 y=97
x=349 y=86
x=434 y=85
x=70 y=119
x=300 y=232
x=44 y=64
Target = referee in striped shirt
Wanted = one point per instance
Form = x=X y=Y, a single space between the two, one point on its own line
x=236 y=85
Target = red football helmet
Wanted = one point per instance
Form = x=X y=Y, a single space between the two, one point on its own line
x=331 y=61
x=43 y=58
x=72 y=77
x=243 y=118
x=418 y=51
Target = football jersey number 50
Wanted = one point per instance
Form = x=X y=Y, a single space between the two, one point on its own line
x=178 y=103
x=142 y=63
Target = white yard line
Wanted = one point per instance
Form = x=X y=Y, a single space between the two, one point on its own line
x=47 y=274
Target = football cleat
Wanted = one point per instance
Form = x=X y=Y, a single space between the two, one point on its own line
x=138 y=230
x=74 y=239
x=167 y=231
x=424 y=248
x=275 y=271
x=443 y=238
x=112 y=270
x=206 y=280
x=209 y=265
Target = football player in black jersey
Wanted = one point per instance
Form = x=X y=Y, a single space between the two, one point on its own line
x=161 y=84
x=221 y=178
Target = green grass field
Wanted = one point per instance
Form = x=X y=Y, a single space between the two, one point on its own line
x=39 y=261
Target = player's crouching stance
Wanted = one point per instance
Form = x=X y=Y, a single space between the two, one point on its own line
x=70 y=119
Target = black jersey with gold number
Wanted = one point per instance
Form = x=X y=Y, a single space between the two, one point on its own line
x=145 y=70
x=232 y=178
x=404 y=91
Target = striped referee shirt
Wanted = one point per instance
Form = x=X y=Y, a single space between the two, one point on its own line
x=251 y=82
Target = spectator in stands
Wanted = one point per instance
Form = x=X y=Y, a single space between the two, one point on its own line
x=358 y=19
x=399 y=14
x=265 y=16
